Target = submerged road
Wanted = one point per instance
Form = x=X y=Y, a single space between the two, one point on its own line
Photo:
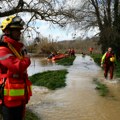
x=78 y=100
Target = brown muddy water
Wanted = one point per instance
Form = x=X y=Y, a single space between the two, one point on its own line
x=78 y=100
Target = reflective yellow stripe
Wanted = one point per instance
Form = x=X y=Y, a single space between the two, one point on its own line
x=18 y=92
x=14 y=92
x=5 y=92
x=103 y=58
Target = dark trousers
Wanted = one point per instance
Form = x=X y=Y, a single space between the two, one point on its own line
x=108 y=68
x=14 y=113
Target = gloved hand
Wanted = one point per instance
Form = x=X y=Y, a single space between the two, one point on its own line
x=101 y=65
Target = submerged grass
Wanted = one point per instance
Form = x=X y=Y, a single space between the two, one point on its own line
x=102 y=88
x=66 y=61
x=50 y=79
x=30 y=115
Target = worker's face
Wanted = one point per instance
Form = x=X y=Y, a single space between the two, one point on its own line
x=16 y=34
x=109 y=49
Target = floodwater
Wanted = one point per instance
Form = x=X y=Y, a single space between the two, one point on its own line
x=78 y=100
x=41 y=65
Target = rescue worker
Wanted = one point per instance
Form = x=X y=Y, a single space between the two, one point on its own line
x=72 y=52
x=15 y=88
x=69 y=52
x=91 y=50
x=108 y=61
x=51 y=55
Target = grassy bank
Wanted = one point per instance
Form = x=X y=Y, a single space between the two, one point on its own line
x=66 y=61
x=50 y=79
x=102 y=88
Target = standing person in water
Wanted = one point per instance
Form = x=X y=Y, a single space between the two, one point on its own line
x=91 y=50
x=15 y=88
x=72 y=52
x=108 y=62
x=69 y=51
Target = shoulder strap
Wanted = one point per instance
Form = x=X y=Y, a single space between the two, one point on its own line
x=19 y=55
x=8 y=45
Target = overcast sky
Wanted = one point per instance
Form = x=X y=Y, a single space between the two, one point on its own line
x=57 y=33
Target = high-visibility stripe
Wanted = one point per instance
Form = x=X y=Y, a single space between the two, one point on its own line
x=15 y=92
x=6 y=56
x=5 y=92
x=18 y=92
x=103 y=58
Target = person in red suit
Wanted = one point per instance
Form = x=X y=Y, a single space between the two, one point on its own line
x=108 y=62
x=15 y=88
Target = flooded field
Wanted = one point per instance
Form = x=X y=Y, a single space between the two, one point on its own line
x=78 y=100
x=41 y=65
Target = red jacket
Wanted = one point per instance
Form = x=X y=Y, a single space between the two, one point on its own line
x=17 y=89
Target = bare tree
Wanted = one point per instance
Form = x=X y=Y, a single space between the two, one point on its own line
x=47 y=10
x=104 y=14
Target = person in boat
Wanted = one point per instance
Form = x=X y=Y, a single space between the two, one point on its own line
x=108 y=63
x=51 y=55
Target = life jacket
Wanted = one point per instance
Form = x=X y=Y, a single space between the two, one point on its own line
x=72 y=51
x=16 y=88
x=108 y=57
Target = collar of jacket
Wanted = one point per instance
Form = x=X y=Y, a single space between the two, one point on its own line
x=17 y=45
